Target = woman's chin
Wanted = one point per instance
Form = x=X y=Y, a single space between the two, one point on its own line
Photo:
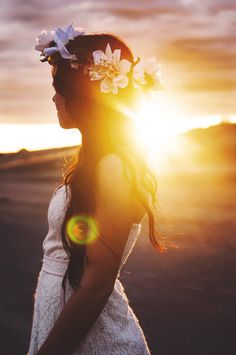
x=65 y=123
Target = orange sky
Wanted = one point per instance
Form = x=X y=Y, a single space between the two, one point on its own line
x=194 y=42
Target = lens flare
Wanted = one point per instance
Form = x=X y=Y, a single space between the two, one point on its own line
x=82 y=229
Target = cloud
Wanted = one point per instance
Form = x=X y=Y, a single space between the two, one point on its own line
x=140 y=12
x=209 y=54
x=223 y=7
x=194 y=41
x=221 y=84
x=199 y=42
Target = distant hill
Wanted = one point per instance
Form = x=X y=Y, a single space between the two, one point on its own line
x=214 y=145
x=44 y=157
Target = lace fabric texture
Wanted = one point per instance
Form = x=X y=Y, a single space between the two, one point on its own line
x=117 y=329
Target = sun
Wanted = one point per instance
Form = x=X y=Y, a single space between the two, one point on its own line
x=157 y=123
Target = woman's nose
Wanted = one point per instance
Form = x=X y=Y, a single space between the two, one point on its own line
x=53 y=98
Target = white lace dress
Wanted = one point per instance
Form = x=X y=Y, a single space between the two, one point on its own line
x=116 y=331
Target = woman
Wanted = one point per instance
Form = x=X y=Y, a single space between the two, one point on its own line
x=95 y=216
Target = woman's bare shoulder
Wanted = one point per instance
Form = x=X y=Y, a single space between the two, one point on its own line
x=110 y=165
x=112 y=185
x=109 y=159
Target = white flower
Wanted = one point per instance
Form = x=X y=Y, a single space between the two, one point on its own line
x=43 y=39
x=110 y=70
x=147 y=68
x=61 y=36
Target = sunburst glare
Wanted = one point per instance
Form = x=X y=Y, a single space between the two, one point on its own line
x=157 y=124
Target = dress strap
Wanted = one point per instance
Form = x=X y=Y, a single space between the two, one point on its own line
x=54 y=266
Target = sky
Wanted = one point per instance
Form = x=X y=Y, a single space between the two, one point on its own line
x=194 y=41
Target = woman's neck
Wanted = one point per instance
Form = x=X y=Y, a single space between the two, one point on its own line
x=105 y=135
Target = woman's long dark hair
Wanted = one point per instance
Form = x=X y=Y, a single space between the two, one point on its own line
x=80 y=171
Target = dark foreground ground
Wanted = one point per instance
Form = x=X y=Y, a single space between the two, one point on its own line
x=185 y=299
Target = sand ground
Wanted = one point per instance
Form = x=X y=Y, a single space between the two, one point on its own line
x=185 y=300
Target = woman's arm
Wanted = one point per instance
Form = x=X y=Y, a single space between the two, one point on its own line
x=77 y=317
x=116 y=210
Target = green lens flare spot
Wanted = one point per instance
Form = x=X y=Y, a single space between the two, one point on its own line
x=82 y=229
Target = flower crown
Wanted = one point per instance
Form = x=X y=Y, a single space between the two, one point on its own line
x=107 y=66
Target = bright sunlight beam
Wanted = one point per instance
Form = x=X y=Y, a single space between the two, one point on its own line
x=158 y=123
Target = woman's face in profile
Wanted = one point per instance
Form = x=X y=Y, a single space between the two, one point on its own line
x=65 y=120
